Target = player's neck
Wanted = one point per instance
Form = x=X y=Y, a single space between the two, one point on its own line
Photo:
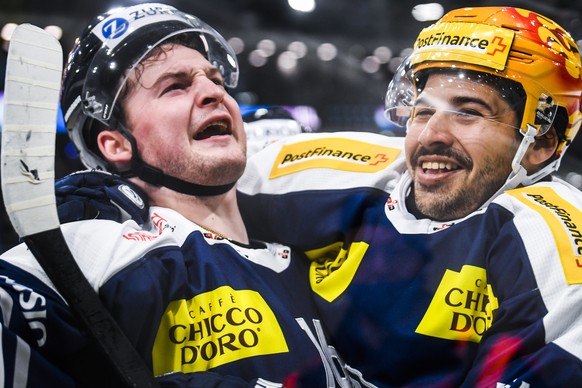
x=218 y=214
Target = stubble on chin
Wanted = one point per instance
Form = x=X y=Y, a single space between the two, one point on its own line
x=453 y=201
x=207 y=171
x=438 y=205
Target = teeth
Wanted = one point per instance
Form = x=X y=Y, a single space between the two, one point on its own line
x=216 y=128
x=221 y=124
x=437 y=165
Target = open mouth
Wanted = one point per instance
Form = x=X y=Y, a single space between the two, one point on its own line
x=217 y=128
x=435 y=167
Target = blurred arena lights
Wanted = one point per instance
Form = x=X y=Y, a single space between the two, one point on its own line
x=8 y=29
x=257 y=58
x=298 y=48
x=326 y=51
x=302 y=5
x=267 y=46
x=383 y=53
x=237 y=44
x=287 y=62
x=427 y=12
x=55 y=31
x=371 y=64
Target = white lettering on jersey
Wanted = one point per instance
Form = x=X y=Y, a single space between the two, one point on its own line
x=262 y=383
x=336 y=369
x=501 y=385
x=32 y=305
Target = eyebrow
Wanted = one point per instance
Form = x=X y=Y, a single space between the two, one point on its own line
x=459 y=100
x=183 y=75
x=170 y=75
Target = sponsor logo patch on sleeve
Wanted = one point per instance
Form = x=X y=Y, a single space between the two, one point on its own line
x=335 y=153
x=565 y=222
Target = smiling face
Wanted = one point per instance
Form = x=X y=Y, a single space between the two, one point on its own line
x=184 y=121
x=459 y=146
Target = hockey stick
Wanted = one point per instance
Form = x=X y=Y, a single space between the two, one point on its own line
x=31 y=96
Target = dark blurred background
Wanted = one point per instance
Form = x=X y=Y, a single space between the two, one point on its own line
x=328 y=61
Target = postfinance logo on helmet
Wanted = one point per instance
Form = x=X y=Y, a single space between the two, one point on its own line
x=478 y=44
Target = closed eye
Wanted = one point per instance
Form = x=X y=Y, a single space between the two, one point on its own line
x=218 y=81
x=176 y=86
x=470 y=113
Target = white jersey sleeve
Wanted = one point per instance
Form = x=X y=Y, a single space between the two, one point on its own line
x=325 y=161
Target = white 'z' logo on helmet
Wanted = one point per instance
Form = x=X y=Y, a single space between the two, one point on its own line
x=114 y=28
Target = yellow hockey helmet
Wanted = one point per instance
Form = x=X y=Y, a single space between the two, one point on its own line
x=508 y=43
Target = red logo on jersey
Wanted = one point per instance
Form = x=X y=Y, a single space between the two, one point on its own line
x=442 y=226
x=391 y=203
x=159 y=222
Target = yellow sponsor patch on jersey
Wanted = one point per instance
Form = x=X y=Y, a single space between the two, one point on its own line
x=335 y=153
x=333 y=268
x=215 y=328
x=479 y=44
x=462 y=308
x=565 y=222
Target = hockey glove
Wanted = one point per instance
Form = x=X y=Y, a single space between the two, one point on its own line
x=89 y=195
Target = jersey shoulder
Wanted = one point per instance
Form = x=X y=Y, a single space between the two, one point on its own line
x=325 y=161
x=548 y=218
x=548 y=202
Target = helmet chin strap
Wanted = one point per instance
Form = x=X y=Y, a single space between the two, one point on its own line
x=157 y=177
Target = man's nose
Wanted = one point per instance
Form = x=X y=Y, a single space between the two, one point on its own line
x=436 y=130
x=208 y=92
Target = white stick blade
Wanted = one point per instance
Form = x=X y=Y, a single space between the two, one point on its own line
x=31 y=95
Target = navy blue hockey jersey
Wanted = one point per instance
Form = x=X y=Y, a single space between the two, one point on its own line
x=189 y=300
x=493 y=299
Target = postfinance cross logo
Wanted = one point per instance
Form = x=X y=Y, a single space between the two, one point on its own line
x=462 y=308
x=497 y=46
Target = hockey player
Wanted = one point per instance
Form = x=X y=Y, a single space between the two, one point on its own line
x=469 y=271
x=455 y=263
x=145 y=96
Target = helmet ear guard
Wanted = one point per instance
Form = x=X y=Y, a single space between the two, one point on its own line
x=508 y=43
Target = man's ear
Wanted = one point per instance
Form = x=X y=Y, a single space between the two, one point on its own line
x=114 y=146
x=542 y=149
